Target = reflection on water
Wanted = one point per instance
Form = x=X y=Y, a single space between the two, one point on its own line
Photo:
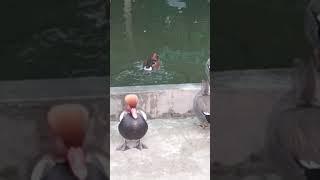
x=178 y=30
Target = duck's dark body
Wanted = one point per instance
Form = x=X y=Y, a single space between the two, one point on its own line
x=133 y=129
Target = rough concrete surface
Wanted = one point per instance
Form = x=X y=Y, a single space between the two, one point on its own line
x=158 y=101
x=177 y=149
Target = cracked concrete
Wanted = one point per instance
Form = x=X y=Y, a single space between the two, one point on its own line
x=177 y=149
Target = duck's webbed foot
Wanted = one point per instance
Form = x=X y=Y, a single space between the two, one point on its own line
x=123 y=147
x=141 y=146
x=204 y=125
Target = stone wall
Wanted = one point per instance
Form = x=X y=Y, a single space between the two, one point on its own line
x=158 y=101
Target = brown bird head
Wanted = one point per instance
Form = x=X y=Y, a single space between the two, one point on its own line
x=153 y=61
x=69 y=123
x=131 y=101
x=154 y=57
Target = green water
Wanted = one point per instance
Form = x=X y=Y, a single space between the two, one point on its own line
x=179 y=31
x=53 y=39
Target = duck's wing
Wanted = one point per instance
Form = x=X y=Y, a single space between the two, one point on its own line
x=147 y=69
x=122 y=115
x=205 y=88
x=144 y=115
x=42 y=167
x=99 y=160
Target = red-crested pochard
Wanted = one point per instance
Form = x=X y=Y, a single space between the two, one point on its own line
x=133 y=125
x=68 y=124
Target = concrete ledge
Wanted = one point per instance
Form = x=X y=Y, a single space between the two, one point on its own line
x=175 y=100
x=270 y=79
x=96 y=86
x=51 y=89
x=158 y=101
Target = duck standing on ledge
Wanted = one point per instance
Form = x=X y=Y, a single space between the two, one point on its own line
x=152 y=63
x=68 y=124
x=133 y=125
x=201 y=102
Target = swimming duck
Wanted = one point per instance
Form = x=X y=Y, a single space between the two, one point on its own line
x=68 y=125
x=133 y=125
x=152 y=63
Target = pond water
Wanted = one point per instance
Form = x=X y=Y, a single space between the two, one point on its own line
x=178 y=30
x=53 y=39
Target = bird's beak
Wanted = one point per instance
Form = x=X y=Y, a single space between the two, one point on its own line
x=134 y=113
x=76 y=160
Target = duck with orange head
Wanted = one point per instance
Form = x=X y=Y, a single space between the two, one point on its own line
x=133 y=124
x=152 y=63
x=68 y=124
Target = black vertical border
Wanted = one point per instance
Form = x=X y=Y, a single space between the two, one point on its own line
x=108 y=7
x=212 y=91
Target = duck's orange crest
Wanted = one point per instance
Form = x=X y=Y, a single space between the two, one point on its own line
x=69 y=121
x=131 y=100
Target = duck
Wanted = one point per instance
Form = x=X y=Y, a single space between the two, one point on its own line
x=133 y=124
x=207 y=72
x=68 y=159
x=292 y=133
x=201 y=104
x=152 y=63
x=201 y=101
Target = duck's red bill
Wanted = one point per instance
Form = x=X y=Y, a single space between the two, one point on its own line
x=134 y=112
x=76 y=161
